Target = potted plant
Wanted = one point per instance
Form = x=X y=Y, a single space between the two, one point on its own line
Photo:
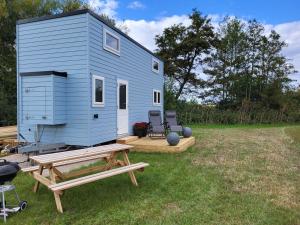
x=140 y=129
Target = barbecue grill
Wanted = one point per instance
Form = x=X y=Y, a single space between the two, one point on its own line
x=8 y=171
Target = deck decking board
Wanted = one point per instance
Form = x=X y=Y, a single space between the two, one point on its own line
x=147 y=144
x=8 y=132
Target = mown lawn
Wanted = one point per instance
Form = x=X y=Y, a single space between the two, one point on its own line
x=237 y=175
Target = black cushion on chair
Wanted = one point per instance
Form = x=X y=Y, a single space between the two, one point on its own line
x=170 y=114
x=154 y=113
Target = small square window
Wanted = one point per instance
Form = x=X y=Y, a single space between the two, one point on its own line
x=155 y=65
x=111 y=42
x=98 y=91
x=156 y=97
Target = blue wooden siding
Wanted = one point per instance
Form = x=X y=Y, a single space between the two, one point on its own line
x=59 y=100
x=134 y=65
x=43 y=100
x=37 y=100
x=60 y=45
x=74 y=45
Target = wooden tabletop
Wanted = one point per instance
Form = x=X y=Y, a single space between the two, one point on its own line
x=68 y=155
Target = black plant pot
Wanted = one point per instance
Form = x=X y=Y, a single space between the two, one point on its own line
x=140 y=132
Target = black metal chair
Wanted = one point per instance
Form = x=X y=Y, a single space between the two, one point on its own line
x=172 y=123
x=156 y=127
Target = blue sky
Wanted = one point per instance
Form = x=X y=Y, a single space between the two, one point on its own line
x=272 y=12
x=145 y=19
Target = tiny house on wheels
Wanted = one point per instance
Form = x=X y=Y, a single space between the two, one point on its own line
x=82 y=81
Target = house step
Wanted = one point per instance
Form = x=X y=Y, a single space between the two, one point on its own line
x=126 y=140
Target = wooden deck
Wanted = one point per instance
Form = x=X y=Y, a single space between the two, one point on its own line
x=8 y=136
x=9 y=132
x=147 y=144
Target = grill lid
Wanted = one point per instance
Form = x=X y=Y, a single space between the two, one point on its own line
x=8 y=168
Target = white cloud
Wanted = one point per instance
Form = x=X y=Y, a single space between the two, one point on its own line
x=107 y=7
x=136 y=5
x=144 y=31
x=290 y=33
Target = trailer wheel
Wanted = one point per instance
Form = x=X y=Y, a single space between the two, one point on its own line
x=23 y=205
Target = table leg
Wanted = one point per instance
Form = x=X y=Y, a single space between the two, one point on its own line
x=58 y=202
x=58 y=175
x=111 y=161
x=56 y=194
x=37 y=183
x=131 y=174
x=3 y=206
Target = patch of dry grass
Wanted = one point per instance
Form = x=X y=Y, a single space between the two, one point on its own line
x=258 y=161
x=293 y=133
x=171 y=208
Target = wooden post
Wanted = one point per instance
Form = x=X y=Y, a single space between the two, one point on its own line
x=52 y=174
x=131 y=174
x=37 y=183
x=56 y=194
x=58 y=202
x=58 y=175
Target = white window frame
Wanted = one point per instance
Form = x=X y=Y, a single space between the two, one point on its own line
x=153 y=61
x=98 y=104
x=108 y=48
x=155 y=92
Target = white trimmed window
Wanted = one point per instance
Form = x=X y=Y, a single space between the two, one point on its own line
x=155 y=65
x=111 y=42
x=98 y=91
x=156 y=97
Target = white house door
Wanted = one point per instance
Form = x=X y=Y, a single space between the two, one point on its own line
x=122 y=93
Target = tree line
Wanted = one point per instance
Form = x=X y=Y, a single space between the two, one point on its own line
x=247 y=72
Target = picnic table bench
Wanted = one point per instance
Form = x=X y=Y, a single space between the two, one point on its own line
x=52 y=162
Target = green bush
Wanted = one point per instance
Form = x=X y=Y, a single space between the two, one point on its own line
x=197 y=114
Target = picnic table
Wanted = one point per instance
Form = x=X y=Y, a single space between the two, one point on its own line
x=57 y=181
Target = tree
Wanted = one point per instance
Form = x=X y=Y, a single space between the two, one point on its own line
x=247 y=67
x=225 y=64
x=269 y=67
x=109 y=20
x=183 y=48
x=254 y=38
x=71 y=5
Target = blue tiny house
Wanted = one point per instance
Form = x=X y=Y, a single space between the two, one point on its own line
x=81 y=81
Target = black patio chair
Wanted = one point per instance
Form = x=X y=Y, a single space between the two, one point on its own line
x=172 y=123
x=156 y=127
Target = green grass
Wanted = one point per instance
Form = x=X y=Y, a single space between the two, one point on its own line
x=241 y=175
x=219 y=126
